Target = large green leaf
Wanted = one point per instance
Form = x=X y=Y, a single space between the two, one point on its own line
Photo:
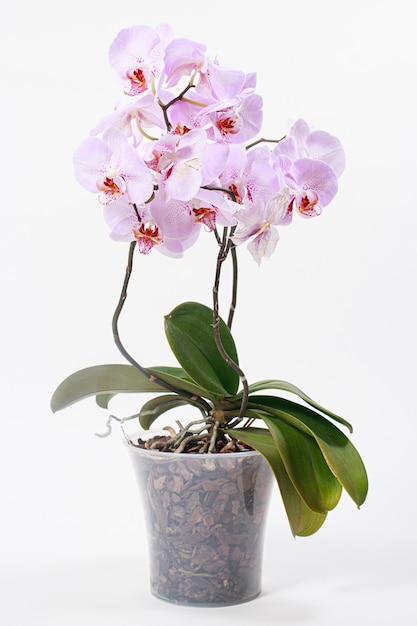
x=303 y=521
x=155 y=407
x=106 y=381
x=189 y=330
x=101 y=379
x=283 y=385
x=178 y=378
x=306 y=466
x=340 y=454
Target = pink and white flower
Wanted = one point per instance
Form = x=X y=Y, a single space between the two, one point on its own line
x=302 y=143
x=136 y=55
x=113 y=168
x=257 y=224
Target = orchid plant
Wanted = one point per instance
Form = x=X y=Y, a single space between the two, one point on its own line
x=179 y=158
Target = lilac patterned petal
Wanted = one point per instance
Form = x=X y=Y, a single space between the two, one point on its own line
x=143 y=111
x=264 y=244
x=235 y=120
x=182 y=175
x=277 y=206
x=175 y=248
x=182 y=58
x=254 y=226
x=122 y=219
x=90 y=162
x=318 y=144
x=224 y=209
x=213 y=162
x=251 y=221
x=323 y=146
x=174 y=217
x=224 y=83
x=185 y=116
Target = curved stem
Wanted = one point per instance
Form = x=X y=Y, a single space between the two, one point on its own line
x=221 y=257
x=165 y=107
x=234 y=287
x=193 y=399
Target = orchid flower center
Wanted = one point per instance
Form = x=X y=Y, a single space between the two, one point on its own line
x=147 y=236
x=111 y=188
x=138 y=82
x=307 y=203
x=206 y=216
x=228 y=124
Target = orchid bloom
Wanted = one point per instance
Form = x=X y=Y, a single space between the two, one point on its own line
x=112 y=167
x=236 y=120
x=132 y=118
x=257 y=224
x=173 y=159
x=211 y=207
x=313 y=185
x=168 y=226
x=178 y=161
x=184 y=58
x=131 y=224
x=249 y=175
x=318 y=144
x=136 y=55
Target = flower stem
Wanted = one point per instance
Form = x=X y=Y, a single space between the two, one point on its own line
x=263 y=140
x=234 y=287
x=224 y=249
x=193 y=399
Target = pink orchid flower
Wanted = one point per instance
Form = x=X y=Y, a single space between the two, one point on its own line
x=318 y=144
x=112 y=167
x=212 y=207
x=132 y=118
x=178 y=159
x=313 y=185
x=257 y=224
x=136 y=55
x=168 y=227
x=184 y=58
x=249 y=174
x=235 y=120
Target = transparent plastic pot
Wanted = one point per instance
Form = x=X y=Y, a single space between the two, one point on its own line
x=205 y=516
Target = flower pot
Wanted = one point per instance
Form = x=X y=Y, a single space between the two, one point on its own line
x=205 y=516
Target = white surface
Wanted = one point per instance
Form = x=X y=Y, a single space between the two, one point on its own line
x=333 y=311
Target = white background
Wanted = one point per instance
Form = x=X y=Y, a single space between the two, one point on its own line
x=333 y=311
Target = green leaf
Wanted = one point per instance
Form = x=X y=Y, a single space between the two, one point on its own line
x=303 y=521
x=189 y=330
x=178 y=378
x=103 y=399
x=306 y=466
x=101 y=379
x=155 y=407
x=286 y=386
x=341 y=455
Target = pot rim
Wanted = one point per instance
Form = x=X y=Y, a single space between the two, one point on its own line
x=199 y=455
